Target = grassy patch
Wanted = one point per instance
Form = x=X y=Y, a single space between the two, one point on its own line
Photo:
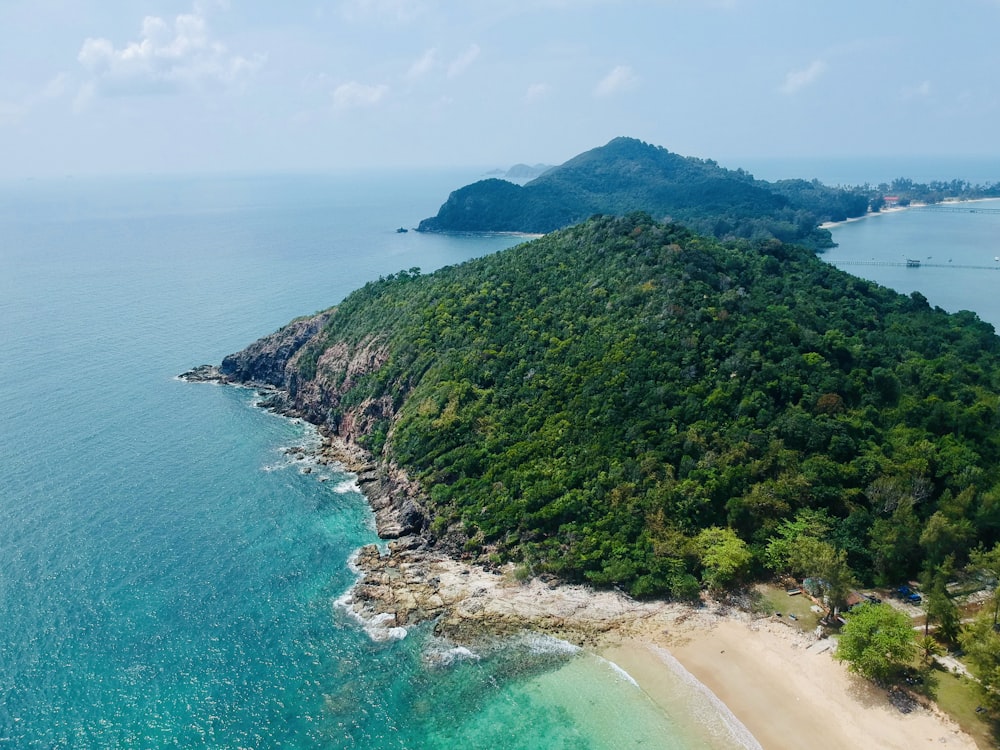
x=776 y=599
x=957 y=696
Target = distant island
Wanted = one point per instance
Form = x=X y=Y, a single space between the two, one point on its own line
x=520 y=173
x=525 y=172
x=628 y=175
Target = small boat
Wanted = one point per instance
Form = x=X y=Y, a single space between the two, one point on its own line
x=402 y=230
x=912 y=263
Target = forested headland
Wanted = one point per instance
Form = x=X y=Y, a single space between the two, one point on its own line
x=628 y=175
x=628 y=403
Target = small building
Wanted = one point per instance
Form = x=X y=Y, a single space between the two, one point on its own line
x=813 y=587
x=855 y=599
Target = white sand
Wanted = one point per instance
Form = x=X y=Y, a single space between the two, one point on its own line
x=782 y=685
x=786 y=695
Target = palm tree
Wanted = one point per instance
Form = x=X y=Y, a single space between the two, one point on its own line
x=930 y=648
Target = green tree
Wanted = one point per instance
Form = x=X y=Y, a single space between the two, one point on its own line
x=938 y=605
x=981 y=643
x=929 y=647
x=877 y=642
x=943 y=537
x=780 y=550
x=724 y=556
x=987 y=564
x=828 y=566
x=895 y=543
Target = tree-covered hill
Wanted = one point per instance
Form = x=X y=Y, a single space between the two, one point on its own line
x=628 y=175
x=629 y=403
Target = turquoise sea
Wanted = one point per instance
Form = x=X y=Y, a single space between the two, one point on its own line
x=168 y=571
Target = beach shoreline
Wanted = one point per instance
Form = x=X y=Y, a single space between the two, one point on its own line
x=784 y=690
x=781 y=686
x=900 y=209
x=869 y=215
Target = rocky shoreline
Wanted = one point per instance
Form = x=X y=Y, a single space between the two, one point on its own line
x=753 y=665
x=468 y=603
x=418 y=577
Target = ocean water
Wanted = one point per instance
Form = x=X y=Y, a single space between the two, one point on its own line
x=168 y=569
x=958 y=252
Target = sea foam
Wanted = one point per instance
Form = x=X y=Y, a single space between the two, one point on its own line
x=730 y=725
x=377 y=627
x=441 y=653
x=620 y=672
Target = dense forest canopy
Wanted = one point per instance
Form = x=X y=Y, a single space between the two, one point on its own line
x=628 y=175
x=626 y=402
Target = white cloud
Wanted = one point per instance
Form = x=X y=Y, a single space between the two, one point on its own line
x=461 y=63
x=537 y=91
x=353 y=94
x=797 y=80
x=920 y=91
x=621 y=78
x=166 y=58
x=423 y=65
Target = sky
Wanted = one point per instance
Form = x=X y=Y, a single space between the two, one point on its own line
x=91 y=87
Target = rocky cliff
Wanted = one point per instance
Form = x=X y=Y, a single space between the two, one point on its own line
x=273 y=364
x=266 y=361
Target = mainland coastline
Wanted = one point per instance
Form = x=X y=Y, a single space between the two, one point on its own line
x=768 y=676
x=782 y=685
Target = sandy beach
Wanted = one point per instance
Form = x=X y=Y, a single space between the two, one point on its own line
x=888 y=211
x=883 y=212
x=783 y=685
x=784 y=693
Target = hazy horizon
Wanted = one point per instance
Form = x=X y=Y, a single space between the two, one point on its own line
x=220 y=86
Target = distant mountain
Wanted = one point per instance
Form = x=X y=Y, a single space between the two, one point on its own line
x=629 y=175
x=521 y=173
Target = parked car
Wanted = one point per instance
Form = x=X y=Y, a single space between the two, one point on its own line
x=906 y=593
